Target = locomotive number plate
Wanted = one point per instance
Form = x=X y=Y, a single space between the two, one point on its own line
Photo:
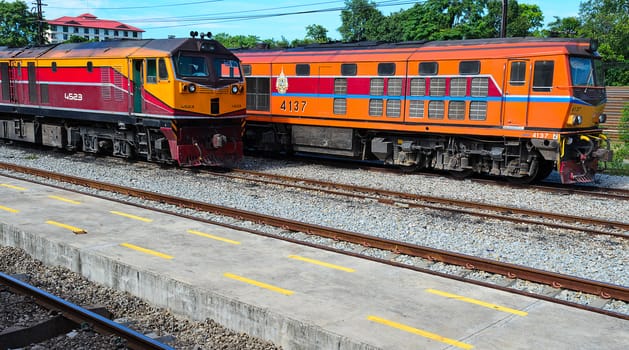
x=295 y=106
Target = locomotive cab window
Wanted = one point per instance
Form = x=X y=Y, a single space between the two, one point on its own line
x=191 y=66
x=582 y=72
x=151 y=71
x=163 y=71
x=518 y=73
x=302 y=69
x=246 y=69
x=386 y=68
x=543 y=75
x=469 y=67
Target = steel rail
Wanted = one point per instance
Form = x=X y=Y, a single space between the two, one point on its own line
x=456 y=202
x=605 y=290
x=81 y=315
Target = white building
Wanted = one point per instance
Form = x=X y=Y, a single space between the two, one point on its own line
x=90 y=27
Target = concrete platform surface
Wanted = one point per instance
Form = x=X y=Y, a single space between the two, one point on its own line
x=295 y=296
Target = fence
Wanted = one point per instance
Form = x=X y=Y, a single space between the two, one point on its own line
x=617 y=96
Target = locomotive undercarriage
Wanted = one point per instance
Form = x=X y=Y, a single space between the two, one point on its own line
x=125 y=140
x=516 y=159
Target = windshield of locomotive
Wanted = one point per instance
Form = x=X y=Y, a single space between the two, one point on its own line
x=192 y=66
x=586 y=72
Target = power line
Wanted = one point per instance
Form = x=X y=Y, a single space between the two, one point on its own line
x=138 y=7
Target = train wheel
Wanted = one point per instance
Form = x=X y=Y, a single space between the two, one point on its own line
x=545 y=168
x=460 y=175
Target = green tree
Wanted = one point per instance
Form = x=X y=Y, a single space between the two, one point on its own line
x=360 y=20
x=237 y=41
x=522 y=19
x=607 y=21
x=568 y=27
x=18 y=26
x=76 y=39
x=317 y=33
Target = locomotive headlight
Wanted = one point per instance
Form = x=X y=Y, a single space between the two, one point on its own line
x=568 y=140
x=192 y=88
x=575 y=120
x=235 y=89
x=602 y=118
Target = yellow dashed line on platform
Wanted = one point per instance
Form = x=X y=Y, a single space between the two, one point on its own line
x=321 y=263
x=14 y=187
x=131 y=216
x=68 y=227
x=477 y=302
x=10 y=210
x=64 y=199
x=147 y=251
x=207 y=235
x=259 y=284
x=420 y=332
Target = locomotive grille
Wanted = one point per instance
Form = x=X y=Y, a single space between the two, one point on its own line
x=456 y=110
x=375 y=108
x=394 y=88
x=417 y=109
x=418 y=87
x=480 y=87
x=478 y=110
x=340 y=106
x=340 y=86
x=376 y=87
x=435 y=109
x=437 y=86
x=458 y=87
x=393 y=108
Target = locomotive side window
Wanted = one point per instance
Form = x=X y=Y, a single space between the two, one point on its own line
x=227 y=68
x=246 y=69
x=90 y=66
x=518 y=73
x=428 y=68
x=163 y=71
x=386 y=68
x=303 y=69
x=458 y=87
x=54 y=67
x=469 y=67
x=258 y=95
x=340 y=103
x=543 y=75
x=456 y=110
x=151 y=71
x=349 y=69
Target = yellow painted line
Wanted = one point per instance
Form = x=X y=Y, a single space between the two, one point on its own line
x=131 y=216
x=477 y=302
x=71 y=228
x=259 y=284
x=420 y=332
x=321 y=263
x=64 y=200
x=14 y=187
x=207 y=235
x=10 y=210
x=147 y=251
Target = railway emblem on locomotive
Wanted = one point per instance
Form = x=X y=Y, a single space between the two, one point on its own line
x=282 y=83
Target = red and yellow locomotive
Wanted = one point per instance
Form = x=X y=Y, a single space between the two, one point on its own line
x=166 y=100
x=517 y=108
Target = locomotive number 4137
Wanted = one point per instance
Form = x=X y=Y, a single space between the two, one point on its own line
x=293 y=106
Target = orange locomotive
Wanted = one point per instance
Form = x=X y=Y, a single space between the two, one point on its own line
x=166 y=100
x=517 y=108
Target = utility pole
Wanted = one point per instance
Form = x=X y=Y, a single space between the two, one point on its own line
x=503 y=25
x=40 y=23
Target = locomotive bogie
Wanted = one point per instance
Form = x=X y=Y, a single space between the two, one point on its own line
x=504 y=107
x=125 y=98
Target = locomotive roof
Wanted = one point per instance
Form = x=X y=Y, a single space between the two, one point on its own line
x=108 y=49
x=421 y=50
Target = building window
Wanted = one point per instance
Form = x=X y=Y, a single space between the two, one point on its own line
x=115 y=33
x=76 y=30
x=96 y=31
x=106 y=31
x=86 y=30
x=53 y=28
x=302 y=69
x=126 y=34
x=65 y=29
x=135 y=34
x=543 y=75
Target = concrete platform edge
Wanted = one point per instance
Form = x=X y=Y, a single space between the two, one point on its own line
x=179 y=297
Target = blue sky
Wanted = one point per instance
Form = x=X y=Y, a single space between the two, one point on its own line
x=171 y=17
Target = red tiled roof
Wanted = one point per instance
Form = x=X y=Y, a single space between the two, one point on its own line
x=91 y=21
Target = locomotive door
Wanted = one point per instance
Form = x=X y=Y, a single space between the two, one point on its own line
x=8 y=70
x=515 y=102
x=138 y=85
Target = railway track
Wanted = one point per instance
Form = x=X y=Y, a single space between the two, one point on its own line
x=511 y=271
x=505 y=213
x=79 y=316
